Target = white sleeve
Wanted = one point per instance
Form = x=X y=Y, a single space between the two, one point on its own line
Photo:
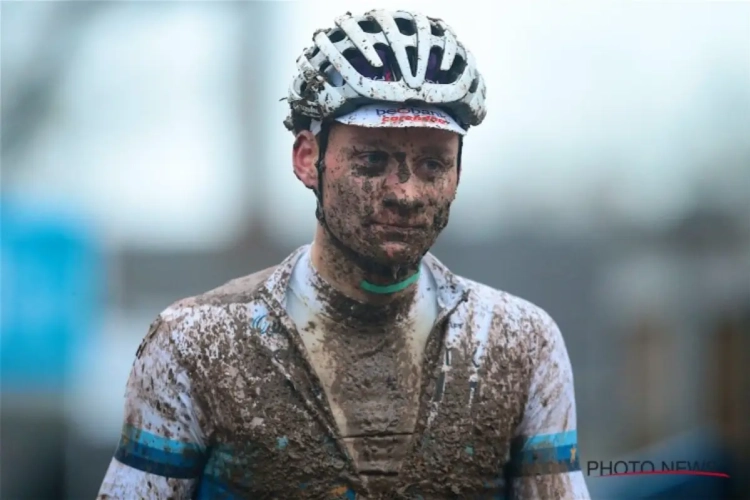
x=161 y=452
x=544 y=457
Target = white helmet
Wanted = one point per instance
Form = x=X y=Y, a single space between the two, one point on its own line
x=402 y=57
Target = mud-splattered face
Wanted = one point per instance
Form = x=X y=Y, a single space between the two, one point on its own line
x=387 y=192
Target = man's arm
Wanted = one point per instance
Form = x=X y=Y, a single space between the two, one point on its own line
x=161 y=452
x=544 y=455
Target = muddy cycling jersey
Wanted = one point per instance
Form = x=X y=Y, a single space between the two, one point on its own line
x=224 y=401
x=368 y=358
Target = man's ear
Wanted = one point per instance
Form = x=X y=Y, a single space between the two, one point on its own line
x=304 y=158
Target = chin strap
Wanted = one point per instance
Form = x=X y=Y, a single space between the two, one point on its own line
x=392 y=288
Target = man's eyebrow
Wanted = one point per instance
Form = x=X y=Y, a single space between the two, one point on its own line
x=437 y=150
x=367 y=142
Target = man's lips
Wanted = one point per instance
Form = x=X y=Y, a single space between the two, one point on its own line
x=399 y=225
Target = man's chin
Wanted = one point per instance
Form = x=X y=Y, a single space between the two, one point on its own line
x=396 y=253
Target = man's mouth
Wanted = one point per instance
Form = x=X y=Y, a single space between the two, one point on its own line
x=399 y=226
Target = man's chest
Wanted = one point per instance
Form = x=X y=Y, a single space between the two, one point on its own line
x=283 y=439
x=372 y=383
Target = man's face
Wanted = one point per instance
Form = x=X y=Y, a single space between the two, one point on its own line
x=387 y=192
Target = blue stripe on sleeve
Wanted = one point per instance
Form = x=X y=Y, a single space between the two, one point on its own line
x=154 y=454
x=568 y=438
x=545 y=454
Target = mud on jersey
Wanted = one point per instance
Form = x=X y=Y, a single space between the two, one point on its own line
x=222 y=402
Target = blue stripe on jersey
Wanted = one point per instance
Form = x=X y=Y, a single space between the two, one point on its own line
x=567 y=438
x=545 y=454
x=158 y=455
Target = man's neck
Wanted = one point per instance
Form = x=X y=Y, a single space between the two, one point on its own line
x=342 y=273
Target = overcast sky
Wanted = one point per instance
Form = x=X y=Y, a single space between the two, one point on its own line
x=593 y=108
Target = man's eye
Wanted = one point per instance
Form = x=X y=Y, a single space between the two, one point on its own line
x=375 y=158
x=433 y=165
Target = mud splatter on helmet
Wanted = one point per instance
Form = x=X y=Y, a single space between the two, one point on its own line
x=400 y=56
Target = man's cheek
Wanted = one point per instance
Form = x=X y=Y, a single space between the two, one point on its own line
x=440 y=220
x=352 y=206
x=441 y=213
x=357 y=202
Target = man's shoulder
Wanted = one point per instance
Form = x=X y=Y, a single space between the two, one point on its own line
x=507 y=316
x=498 y=310
x=210 y=317
x=239 y=291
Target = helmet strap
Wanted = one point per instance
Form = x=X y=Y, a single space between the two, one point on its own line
x=458 y=160
x=320 y=166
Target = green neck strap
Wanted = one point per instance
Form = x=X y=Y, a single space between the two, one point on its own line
x=393 y=288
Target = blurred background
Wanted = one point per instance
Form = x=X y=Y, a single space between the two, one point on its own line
x=144 y=160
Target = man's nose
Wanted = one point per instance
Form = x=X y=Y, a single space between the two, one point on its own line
x=403 y=200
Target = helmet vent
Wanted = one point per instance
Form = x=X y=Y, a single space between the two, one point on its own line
x=406 y=26
x=336 y=35
x=436 y=29
x=457 y=69
x=370 y=26
x=474 y=85
x=411 y=54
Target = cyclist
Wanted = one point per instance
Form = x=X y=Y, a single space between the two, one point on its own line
x=360 y=366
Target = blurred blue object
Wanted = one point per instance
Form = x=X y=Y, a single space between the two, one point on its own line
x=702 y=445
x=51 y=276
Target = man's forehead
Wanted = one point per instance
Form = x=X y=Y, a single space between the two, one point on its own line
x=431 y=141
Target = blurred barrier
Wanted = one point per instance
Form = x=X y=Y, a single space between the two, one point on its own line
x=52 y=275
x=52 y=278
